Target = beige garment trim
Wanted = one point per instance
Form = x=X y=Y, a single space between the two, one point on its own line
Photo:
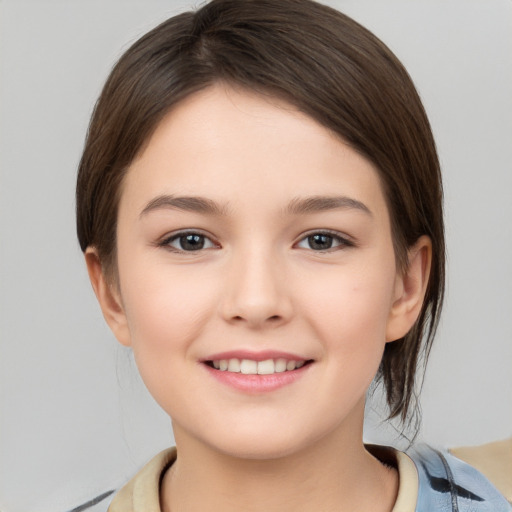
x=408 y=480
x=408 y=484
x=494 y=460
x=142 y=492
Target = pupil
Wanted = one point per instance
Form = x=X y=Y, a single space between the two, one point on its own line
x=320 y=242
x=192 y=242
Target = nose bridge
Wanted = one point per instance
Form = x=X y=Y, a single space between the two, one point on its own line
x=257 y=293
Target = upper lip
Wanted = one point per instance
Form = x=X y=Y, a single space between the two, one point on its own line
x=255 y=356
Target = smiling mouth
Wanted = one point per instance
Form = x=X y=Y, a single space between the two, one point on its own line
x=251 y=367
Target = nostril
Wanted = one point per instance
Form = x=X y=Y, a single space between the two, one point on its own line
x=274 y=319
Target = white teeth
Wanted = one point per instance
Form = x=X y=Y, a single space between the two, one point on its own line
x=266 y=367
x=234 y=365
x=280 y=365
x=250 y=367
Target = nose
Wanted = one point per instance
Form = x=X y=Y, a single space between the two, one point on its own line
x=256 y=292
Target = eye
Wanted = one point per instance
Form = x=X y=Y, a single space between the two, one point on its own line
x=187 y=242
x=324 y=241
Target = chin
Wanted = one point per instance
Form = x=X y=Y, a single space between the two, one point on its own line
x=262 y=443
x=264 y=434
x=259 y=450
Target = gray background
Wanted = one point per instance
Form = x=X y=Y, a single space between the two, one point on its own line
x=75 y=419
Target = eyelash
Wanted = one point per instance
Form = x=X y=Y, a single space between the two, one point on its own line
x=342 y=241
x=166 y=242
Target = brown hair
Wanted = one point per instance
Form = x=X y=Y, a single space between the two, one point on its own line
x=319 y=60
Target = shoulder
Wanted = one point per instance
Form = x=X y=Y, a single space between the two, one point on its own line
x=494 y=460
x=99 y=503
x=448 y=484
x=140 y=494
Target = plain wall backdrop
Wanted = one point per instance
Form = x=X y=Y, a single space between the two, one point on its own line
x=75 y=419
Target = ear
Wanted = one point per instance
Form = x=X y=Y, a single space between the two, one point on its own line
x=108 y=296
x=410 y=288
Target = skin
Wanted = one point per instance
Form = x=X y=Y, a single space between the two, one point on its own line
x=259 y=284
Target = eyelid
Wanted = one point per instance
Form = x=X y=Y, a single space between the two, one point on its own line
x=166 y=240
x=345 y=240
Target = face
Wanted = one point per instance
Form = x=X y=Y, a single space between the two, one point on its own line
x=251 y=238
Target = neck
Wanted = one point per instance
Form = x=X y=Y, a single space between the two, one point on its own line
x=333 y=474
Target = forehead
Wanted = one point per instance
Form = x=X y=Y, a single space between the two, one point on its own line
x=238 y=147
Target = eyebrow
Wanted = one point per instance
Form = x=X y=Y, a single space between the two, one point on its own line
x=185 y=203
x=297 y=206
x=314 y=204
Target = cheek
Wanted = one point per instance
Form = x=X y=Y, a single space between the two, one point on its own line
x=167 y=313
x=350 y=318
x=350 y=309
x=166 y=309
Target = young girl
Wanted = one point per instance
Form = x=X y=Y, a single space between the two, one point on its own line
x=259 y=202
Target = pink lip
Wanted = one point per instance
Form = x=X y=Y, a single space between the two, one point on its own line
x=254 y=356
x=256 y=384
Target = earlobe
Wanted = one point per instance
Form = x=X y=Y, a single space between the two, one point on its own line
x=108 y=297
x=410 y=289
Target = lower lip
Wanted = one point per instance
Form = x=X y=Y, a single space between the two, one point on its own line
x=257 y=383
